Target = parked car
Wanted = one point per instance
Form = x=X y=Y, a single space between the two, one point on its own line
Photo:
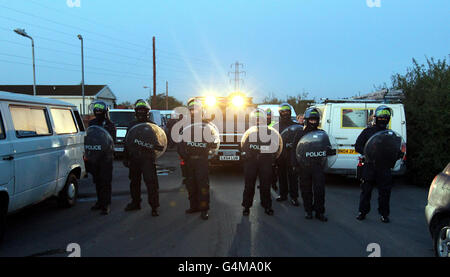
x=122 y=118
x=437 y=212
x=41 y=152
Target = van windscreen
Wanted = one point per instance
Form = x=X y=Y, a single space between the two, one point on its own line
x=121 y=119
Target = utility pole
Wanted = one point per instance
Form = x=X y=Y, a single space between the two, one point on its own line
x=237 y=75
x=154 y=76
x=167 y=95
x=83 y=112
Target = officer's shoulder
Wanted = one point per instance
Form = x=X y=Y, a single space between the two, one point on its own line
x=92 y=122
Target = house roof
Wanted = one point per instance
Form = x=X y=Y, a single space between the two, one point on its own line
x=56 y=90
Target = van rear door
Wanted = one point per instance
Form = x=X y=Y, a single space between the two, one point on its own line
x=6 y=159
x=348 y=121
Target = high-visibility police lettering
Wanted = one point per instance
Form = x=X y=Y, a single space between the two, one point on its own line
x=93 y=147
x=316 y=154
x=197 y=144
x=143 y=144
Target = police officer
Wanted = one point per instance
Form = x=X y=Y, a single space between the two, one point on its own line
x=371 y=176
x=312 y=178
x=257 y=164
x=195 y=157
x=102 y=172
x=142 y=164
x=287 y=177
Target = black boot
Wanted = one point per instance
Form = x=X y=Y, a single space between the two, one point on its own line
x=192 y=210
x=106 y=210
x=155 y=212
x=204 y=215
x=321 y=217
x=308 y=215
x=361 y=216
x=269 y=211
x=132 y=207
x=385 y=219
x=294 y=202
x=96 y=207
x=281 y=198
x=246 y=212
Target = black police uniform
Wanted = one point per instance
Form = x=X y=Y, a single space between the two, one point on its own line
x=196 y=168
x=257 y=165
x=287 y=177
x=102 y=172
x=311 y=178
x=143 y=164
x=371 y=176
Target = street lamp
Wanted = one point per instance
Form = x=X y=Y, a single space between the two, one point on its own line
x=82 y=72
x=150 y=94
x=24 y=34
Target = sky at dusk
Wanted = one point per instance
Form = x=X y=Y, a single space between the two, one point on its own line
x=327 y=48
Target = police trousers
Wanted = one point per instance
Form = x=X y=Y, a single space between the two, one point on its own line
x=144 y=167
x=261 y=168
x=382 y=179
x=102 y=176
x=197 y=182
x=312 y=187
x=288 y=180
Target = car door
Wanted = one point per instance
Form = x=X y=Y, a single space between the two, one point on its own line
x=6 y=159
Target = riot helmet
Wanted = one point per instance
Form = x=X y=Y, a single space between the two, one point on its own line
x=382 y=116
x=100 y=110
x=142 y=110
x=312 y=118
x=285 y=111
x=258 y=117
x=195 y=106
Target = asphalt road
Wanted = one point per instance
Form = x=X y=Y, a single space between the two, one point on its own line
x=44 y=230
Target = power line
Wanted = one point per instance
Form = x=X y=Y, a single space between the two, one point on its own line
x=237 y=75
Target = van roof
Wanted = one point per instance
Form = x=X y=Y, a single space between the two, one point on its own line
x=17 y=97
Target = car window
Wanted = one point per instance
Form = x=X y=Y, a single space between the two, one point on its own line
x=2 y=130
x=64 y=121
x=30 y=121
x=121 y=119
x=79 y=120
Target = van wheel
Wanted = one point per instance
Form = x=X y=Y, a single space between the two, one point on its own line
x=441 y=238
x=68 y=195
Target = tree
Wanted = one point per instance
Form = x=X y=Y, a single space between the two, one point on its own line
x=126 y=104
x=427 y=102
x=161 y=102
x=299 y=102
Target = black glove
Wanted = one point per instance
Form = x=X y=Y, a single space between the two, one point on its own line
x=331 y=152
x=400 y=155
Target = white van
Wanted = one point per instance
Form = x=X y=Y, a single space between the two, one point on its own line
x=41 y=152
x=122 y=118
x=344 y=121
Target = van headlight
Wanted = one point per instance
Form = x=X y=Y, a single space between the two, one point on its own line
x=238 y=101
x=210 y=101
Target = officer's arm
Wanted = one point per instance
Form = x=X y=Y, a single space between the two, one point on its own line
x=360 y=142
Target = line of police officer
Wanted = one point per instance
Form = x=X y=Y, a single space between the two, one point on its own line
x=257 y=164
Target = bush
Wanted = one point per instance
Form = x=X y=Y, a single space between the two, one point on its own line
x=427 y=108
